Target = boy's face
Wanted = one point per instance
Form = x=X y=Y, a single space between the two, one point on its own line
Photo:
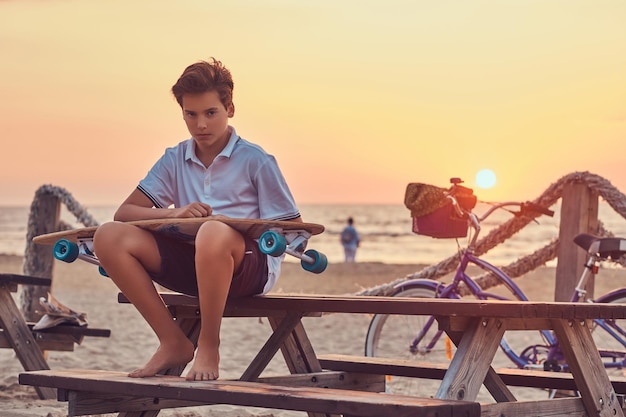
x=207 y=118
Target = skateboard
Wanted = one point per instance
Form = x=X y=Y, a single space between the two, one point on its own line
x=275 y=238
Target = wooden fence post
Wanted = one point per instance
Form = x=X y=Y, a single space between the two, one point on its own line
x=38 y=259
x=579 y=214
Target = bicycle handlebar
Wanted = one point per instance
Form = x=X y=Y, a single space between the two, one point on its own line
x=526 y=207
x=533 y=207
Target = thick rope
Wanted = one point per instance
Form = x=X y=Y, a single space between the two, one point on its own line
x=81 y=214
x=615 y=198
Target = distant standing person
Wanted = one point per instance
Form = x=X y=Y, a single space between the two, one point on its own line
x=350 y=240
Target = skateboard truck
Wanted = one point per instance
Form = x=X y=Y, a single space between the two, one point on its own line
x=275 y=243
x=68 y=251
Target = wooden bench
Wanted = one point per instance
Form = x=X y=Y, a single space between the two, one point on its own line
x=475 y=326
x=101 y=388
x=29 y=345
x=420 y=369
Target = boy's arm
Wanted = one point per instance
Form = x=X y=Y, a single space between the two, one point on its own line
x=138 y=206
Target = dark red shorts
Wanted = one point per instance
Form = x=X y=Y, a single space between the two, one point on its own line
x=178 y=268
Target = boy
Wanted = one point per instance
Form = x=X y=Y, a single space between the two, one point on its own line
x=213 y=172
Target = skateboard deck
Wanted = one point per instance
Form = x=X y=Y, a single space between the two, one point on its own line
x=275 y=238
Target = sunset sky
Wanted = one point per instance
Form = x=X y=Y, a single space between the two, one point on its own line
x=355 y=98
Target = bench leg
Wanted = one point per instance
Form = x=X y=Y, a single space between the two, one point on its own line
x=494 y=384
x=584 y=360
x=298 y=351
x=281 y=331
x=21 y=339
x=472 y=361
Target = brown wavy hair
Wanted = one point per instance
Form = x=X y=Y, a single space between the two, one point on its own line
x=202 y=77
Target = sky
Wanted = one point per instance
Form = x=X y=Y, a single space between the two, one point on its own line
x=355 y=98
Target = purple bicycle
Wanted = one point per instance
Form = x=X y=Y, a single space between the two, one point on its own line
x=418 y=337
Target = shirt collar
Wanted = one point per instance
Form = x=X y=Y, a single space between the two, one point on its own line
x=226 y=152
x=230 y=146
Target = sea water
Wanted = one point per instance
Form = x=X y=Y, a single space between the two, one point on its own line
x=385 y=231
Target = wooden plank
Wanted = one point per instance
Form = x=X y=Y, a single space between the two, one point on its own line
x=55 y=342
x=305 y=303
x=59 y=338
x=186 y=306
x=21 y=340
x=571 y=407
x=70 y=330
x=458 y=323
x=252 y=394
x=296 y=349
x=427 y=370
x=50 y=342
x=90 y=403
x=24 y=280
x=472 y=360
x=494 y=384
x=85 y=403
x=586 y=366
x=579 y=214
x=438 y=307
x=330 y=379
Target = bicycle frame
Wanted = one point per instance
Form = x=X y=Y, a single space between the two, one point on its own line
x=529 y=357
x=551 y=346
x=451 y=292
x=545 y=353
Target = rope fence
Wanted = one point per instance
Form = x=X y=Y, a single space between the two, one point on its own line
x=611 y=195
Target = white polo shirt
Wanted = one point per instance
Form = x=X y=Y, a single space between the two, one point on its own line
x=242 y=182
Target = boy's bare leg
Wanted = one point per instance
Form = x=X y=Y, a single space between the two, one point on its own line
x=126 y=253
x=219 y=252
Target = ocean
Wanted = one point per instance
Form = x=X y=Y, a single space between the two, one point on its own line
x=385 y=232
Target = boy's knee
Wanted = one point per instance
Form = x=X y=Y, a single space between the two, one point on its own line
x=104 y=234
x=214 y=233
x=219 y=238
x=117 y=236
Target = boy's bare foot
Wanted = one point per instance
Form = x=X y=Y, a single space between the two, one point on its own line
x=205 y=367
x=166 y=356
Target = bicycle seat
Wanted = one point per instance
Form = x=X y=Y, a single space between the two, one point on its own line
x=604 y=247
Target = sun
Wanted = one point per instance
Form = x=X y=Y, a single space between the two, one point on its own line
x=485 y=178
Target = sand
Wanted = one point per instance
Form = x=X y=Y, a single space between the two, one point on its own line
x=132 y=342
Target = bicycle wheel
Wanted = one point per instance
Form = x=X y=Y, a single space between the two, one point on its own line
x=417 y=338
x=390 y=336
x=610 y=337
x=387 y=334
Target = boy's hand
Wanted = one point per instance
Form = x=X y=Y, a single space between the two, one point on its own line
x=196 y=209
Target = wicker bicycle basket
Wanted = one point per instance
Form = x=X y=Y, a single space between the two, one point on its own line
x=433 y=214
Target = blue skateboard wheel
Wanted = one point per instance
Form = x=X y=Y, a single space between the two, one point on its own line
x=65 y=250
x=320 y=262
x=272 y=243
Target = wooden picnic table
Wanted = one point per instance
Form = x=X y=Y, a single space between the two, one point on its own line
x=475 y=326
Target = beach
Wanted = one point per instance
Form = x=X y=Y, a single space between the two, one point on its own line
x=131 y=343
